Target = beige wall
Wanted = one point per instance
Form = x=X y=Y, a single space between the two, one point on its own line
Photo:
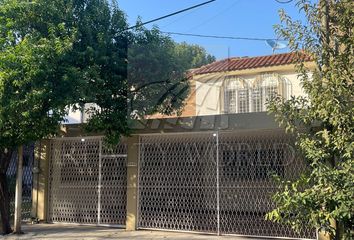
x=189 y=108
x=208 y=97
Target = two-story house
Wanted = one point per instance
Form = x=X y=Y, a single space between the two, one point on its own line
x=242 y=84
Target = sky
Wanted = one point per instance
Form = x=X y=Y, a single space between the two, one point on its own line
x=237 y=18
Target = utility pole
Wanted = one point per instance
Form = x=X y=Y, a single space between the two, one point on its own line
x=325 y=38
x=18 y=196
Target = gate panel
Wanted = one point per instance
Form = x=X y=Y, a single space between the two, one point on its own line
x=113 y=197
x=74 y=176
x=86 y=182
x=177 y=182
x=247 y=163
x=218 y=184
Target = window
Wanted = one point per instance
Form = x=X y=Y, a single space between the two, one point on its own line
x=243 y=101
x=267 y=86
x=257 y=100
x=240 y=97
x=230 y=96
x=236 y=96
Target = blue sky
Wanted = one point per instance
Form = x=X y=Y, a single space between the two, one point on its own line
x=239 y=18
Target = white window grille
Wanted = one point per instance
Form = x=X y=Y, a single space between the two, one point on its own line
x=271 y=85
x=230 y=101
x=243 y=101
x=236 y=96
x=240 y=98
x=257 y=100
x=268 y=86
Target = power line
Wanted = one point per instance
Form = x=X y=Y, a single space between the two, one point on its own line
x=220 y=37
x=169 y=15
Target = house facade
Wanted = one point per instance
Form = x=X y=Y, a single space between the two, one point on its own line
x=209 y=170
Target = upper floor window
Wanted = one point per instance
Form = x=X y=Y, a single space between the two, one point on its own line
x=266 y=87
x=242 y=96
x=236 y=96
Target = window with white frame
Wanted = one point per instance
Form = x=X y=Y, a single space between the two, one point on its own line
x=257 y=99
x=243 y=100
x=267 y=86
x=236 y=98
x=240 y=97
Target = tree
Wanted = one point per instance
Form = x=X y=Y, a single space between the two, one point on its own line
x=67 y=53
x=322 y=121
x=156 y=82
x=156 y=74
x=99 y=54
x=35 y=83
x=193 y=56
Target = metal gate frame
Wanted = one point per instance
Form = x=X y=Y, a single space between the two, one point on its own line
x=215 y=134
x=101 y=156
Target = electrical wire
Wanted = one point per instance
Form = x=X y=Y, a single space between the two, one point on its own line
x=168 y=15
x=220 y=37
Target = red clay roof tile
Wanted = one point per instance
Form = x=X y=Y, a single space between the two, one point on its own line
x=237 y=63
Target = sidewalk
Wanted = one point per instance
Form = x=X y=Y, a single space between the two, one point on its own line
x=66 y=232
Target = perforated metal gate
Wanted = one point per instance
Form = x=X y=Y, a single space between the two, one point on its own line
x=87 y=182
x=215 y=182
x=177 y=182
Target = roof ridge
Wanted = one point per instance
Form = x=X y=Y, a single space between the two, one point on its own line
x=228 y=64
x=261 y=56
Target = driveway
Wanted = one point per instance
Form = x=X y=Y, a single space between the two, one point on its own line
x=66 y=232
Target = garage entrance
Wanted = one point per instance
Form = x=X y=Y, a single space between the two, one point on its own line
x=216 y=182
x=87 y=182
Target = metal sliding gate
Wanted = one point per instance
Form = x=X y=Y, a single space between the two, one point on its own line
x=27 y=177
x=215 y=182
x=87 y=182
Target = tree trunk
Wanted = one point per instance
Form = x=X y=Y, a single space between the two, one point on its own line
x=18 y=196
x=5 y=158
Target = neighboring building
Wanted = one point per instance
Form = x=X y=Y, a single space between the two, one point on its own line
x=77 y=116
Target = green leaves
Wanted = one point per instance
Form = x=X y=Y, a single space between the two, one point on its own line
x=322 y=122
x=31 y=69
